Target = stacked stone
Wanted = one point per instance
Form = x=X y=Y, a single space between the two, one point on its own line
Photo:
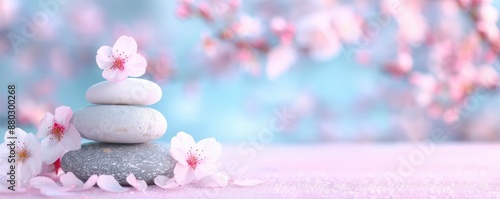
x=123 y=127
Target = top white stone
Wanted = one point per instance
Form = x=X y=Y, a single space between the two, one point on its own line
x=131 y=91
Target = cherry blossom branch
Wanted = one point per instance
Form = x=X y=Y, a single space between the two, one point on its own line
x=481 y=26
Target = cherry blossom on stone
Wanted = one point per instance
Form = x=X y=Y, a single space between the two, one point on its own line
x=195 y=160
x=28 y=155
x=121 y=60
x=59 y=134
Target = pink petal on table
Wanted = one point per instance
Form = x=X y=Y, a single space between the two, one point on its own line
x=247 y=183
x=48 y=187
x=137 y=184
x=215 y=180
x=69 y=179
x=108 y=183
x=90 y=182
x=165 y=182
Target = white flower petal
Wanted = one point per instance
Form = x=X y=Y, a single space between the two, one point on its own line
x=69 y=179
x=63 y=115
x=53 y=150
x=215 y=180
x=108 y=183
x=114 y=75
x=183 y=174
x=34 y=162
x=104 y=57
x=205 y=169
x=124 y=47
x=24 y=173
x=72 y=140
x=165 y=182
x=182 y=140
x=247 y=183
x=18 y=132
x=179 y=155
x=211 y=149
x=4 y=152
x=45 y=126
x=135 y=66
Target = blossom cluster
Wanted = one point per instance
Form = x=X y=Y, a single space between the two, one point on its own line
x=460 y=59
x=35 y=157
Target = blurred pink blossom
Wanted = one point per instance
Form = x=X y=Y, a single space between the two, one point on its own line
x=279 y=60
x=316 y=35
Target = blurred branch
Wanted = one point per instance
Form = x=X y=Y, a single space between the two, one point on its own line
x=473 y=13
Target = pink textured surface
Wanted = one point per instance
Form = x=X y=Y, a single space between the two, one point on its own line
x=347 y=171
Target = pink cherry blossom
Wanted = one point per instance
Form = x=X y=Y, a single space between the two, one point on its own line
x=279 y=60
x=58 y=133
x=284 y=29
x=121 y=60
x=28 y=155
x=487 y=76
x=317 y=36
x=247 y=26
x=195 y=160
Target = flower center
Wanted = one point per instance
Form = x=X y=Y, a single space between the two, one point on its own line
x=192 y=161
x=119 y=64
x=58 y=131
x=194 y=157
x=23 y=155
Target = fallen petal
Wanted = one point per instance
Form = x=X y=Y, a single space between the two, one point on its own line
x=165 y=182
x=137 y=184
x=48 y=187
x=90 y=182
x=247 y=183
x=215 y=180
x=108 y=183
x=69 y=179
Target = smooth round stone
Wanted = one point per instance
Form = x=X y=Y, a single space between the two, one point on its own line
x=131 y=91
x=145 y=161
x=119 y=123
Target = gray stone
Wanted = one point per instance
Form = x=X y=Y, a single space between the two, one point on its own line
x=119 y=123
x=145 y=161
